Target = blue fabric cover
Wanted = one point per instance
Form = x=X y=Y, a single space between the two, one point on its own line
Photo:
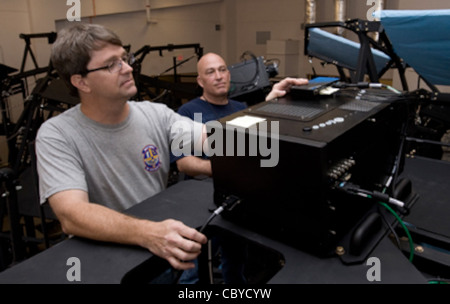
x=422 y=39
x=339 y=50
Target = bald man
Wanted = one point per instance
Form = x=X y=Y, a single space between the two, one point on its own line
x=214 y=78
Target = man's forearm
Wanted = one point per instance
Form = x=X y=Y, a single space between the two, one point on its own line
x=194 y=166
x=100 y=223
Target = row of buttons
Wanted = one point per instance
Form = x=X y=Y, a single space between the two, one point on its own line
x=331 y=122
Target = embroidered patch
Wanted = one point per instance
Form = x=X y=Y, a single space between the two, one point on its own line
x=151 y=158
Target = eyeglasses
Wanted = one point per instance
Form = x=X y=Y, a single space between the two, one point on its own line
x=116 y=65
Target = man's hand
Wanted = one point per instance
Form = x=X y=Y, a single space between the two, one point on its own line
x=282 y=88
x=175 y=242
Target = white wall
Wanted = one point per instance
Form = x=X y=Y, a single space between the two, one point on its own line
x=186 y=24
x=14 y=20
x=281 y=20
x=179 y=22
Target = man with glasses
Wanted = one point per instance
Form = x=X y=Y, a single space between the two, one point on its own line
x=108 y=153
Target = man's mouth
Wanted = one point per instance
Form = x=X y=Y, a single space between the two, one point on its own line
x=221 y=85
x=128 y=82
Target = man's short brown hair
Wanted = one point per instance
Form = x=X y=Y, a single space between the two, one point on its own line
x=73 y=49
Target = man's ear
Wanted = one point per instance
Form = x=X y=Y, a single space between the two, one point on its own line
x=80 y=83
x=199 y=82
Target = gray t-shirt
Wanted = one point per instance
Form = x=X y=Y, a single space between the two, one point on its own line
x=117 y=165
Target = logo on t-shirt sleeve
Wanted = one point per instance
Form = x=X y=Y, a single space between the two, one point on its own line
x=151 y=158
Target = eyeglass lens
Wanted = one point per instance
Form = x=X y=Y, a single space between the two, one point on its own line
x=116 y=66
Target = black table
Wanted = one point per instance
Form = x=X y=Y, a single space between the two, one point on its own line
x=430 y=179
x=190 y=202
x=428 y=221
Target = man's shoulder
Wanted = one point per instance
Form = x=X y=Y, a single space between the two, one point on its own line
x=191 y=106
x=62 y=118
x=150 y=108
x=238 y=104
x=147 y=104
x=195 y=102
x=59 y=126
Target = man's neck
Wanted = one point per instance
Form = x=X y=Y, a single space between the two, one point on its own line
x=216 y=100
x=106 y=112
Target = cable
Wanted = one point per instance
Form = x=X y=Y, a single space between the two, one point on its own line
x=393 y=89
x=382 y=199
x=178 y=273
x=396 y=167
x=210 y=263
x=391 y=228
x=411 y=244
x=438 y=281
x=381 y=196
x=213 y=215
x=228 y=204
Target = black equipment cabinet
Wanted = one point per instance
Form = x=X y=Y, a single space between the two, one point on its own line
x=299 y=201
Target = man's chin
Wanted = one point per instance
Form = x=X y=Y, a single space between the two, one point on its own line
x=132 y=92
x=222 y=92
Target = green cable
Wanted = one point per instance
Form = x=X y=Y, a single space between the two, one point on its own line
x=393 y=89
x=411 y=244
x=438 y=282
